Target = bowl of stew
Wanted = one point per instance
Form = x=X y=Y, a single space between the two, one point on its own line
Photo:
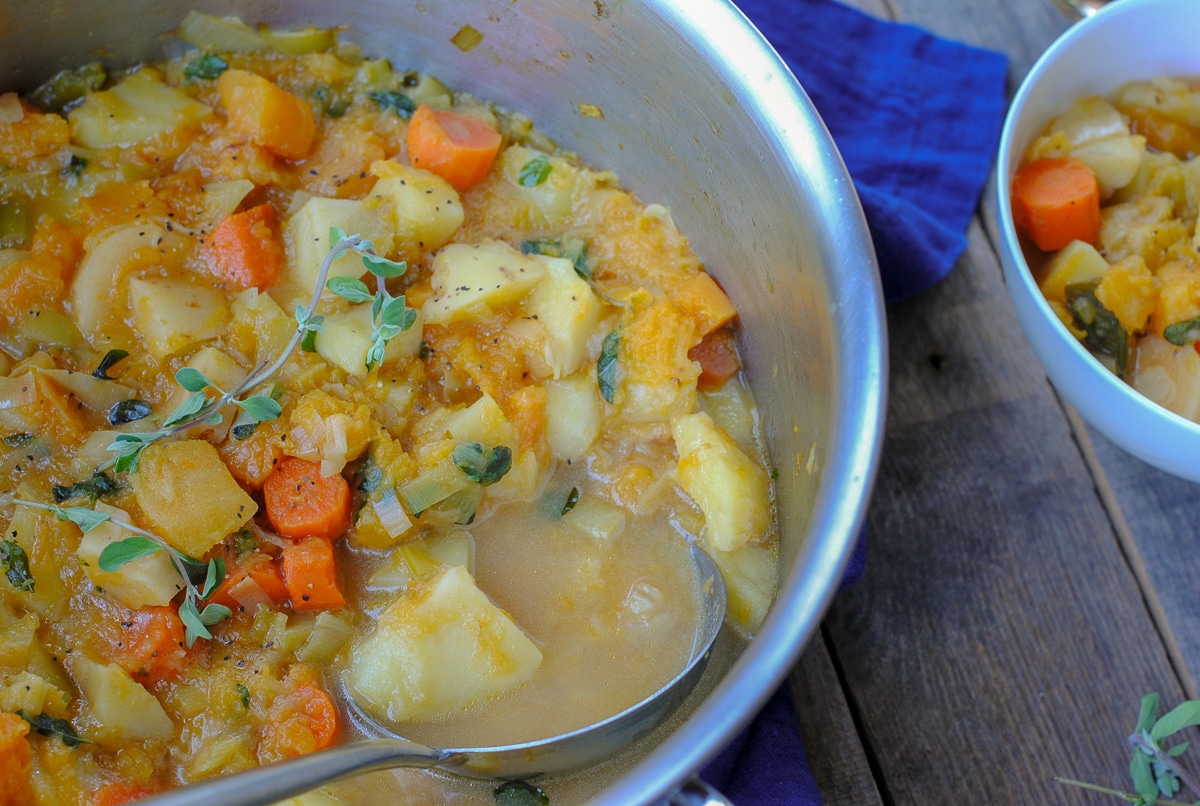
x=1101 y=295
x=397 y=354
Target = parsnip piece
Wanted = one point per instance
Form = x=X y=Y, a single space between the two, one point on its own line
x=731 y=490
x=424 y=210
x=174 y=315
x=565 y=304
x=188 y=494
x=99 y=283
x=1093 y=131
x=441 y=646
x=469 y=280
x=220 y=368
x=1169 y=375
x=146 y=581
x=135 y=111
x=751 y=576
x=124 y=710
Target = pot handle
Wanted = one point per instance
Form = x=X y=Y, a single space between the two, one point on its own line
x=695 y=792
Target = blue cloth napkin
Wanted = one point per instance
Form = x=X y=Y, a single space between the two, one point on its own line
x=917 y=120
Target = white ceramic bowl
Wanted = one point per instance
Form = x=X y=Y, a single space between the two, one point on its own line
x=1125 y=41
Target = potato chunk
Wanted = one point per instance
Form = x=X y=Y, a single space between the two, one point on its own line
x=189 y=495
x=149 y=580
x=135 y=111
x=440 y=647
x=307 y=239
x=423 y=208
x=123 y=709
x=469 y=280
x=174 y=315
x=566 y=306
x=731 y=490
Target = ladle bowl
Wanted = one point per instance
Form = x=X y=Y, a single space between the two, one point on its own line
x=557 y=754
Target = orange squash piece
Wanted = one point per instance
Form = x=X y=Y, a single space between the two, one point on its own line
x=267 y=115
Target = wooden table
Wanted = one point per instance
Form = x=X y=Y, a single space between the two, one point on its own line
x=1027 y=581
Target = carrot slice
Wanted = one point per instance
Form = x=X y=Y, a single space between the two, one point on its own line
x=119 y=792
x=310 y=575
x=244 y=250
x=152 y=645
x=259 y=568
x=1056 y=200
x=718 y=359
x=266 y=114
x=459 y=148
x=302 y=720
x=300 y=502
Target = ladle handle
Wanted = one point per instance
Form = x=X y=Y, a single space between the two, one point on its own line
x=274 y=782
x=695 y=792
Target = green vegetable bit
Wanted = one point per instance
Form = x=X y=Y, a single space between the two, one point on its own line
x=396 y=101
x=520 y=793
x=111 y=359
x=128 y=411
x=16 y=565
x=606 y=365
x=482 y=465
x=49 y=726
x=14 y=223
x=74 y=167
x=205 y=68
x=98 y=485
x=68 y=86
x=1103 y=332
x=573 y=249
x=19 y=440
x=535 y=172
x=1183 y=333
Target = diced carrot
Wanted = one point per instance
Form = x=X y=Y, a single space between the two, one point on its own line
x=1164 y=133
x=256 y=566
x=700 y=296
x=118 y=793
x=267 y=115
x=244 y=249
x=1056 y=200
x=16 y=761
x=300 y=502
x=310 y=575
x=300 y=721
x=717 y=355
x=152 y=645
x=457 y=147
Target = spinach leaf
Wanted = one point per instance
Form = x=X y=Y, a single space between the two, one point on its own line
x=111 y=358
x=16 y=565
x=205 y=68
x=606 y=365
x=98 y=485
x=1103 y=332
x=482 y=465
x=49 y=726
x=127 y=411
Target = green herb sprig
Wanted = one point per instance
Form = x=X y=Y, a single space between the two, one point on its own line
x=391 y=316
x=1153 y=766
x=47 y=725
x=200 y=578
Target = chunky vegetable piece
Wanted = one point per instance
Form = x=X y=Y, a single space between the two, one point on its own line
x=320 y=378
x=244 y=250
x=1056 y=201
x=300 y=502
x=267 y=115
x=458 y=147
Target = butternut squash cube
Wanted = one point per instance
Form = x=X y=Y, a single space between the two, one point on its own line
x=267 y=115
x=188 y=494
x=1127 y=289
x=441 y=646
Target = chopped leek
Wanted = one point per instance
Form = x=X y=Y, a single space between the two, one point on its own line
x=68 y=86
x=432 y=487
x=329 y=634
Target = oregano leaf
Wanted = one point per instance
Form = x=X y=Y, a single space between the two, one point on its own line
x=214 y=614
x=349 y=288
x=192 y=379
x=260 y=407
x=116 y=555
x=535 y=172
x=382 y=267
x=194 y=627
x=86 y=519
x=216 y=573
x=1182 y=716
x=606 y=365
x=189 y=408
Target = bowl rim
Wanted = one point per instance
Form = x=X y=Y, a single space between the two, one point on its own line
x=1038 y=320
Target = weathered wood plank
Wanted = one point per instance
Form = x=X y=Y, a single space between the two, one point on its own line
x=835 y=751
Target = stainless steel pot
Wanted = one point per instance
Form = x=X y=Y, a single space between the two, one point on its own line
x=700 y=114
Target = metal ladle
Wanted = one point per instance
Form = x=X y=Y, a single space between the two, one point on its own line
x=569 y=751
